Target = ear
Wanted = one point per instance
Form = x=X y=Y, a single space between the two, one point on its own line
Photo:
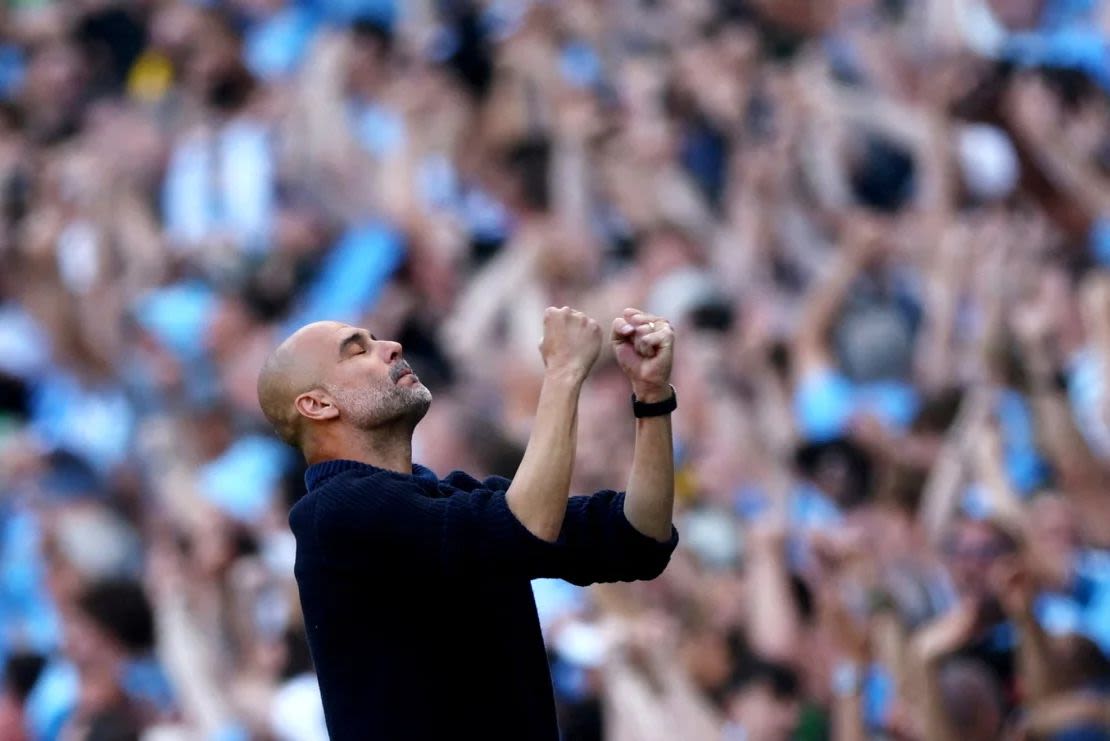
x=316 y=405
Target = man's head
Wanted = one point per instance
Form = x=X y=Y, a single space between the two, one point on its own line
x=972 y=699
x=764 y=699
x=1054 y=524
x=113 y=618
x=332 y=376
x=1055 y=537
x=971 y=548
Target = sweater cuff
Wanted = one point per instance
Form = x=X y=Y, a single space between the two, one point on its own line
x=630 y=533
x=645 y=546
x=508 y=522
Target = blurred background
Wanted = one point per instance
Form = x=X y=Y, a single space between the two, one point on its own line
x=880 y=227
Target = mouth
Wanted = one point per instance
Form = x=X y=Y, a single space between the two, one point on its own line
x=401 y=370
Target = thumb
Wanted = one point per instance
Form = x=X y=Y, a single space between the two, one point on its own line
x=621 y=330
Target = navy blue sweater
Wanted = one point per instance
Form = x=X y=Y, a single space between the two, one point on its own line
x=417 y=602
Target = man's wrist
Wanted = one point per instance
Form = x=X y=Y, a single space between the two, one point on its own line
x=652 y=393
x=564 y=377
x=642 y=409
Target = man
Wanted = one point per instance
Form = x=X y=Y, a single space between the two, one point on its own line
x=415 y=591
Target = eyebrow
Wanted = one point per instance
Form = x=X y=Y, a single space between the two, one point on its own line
x=355 y=338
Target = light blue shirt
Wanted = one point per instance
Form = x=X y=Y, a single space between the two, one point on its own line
x=52 y=700
x=28 y=620
x=826 y=401
x=274 y=47
x=352 y=277
x=242 y=480
x=223 y=185
x=1087 y=397
x=1086 y=608
x=95 y=422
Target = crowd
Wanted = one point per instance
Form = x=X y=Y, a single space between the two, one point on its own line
x=881 y=229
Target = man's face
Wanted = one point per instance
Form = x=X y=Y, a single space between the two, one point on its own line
x=1054 y=538
x=1053 y=526
x=973 y=548
x=369 y=381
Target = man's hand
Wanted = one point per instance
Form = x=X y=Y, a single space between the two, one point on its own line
x=644 y=346
x=571 y=343
x=1014 y=585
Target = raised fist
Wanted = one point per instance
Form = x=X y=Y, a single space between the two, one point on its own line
x=644 y=346
x=571 y=342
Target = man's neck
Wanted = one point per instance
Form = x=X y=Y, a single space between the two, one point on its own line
x=390 y=449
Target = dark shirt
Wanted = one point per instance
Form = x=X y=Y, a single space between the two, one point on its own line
x=418 y=606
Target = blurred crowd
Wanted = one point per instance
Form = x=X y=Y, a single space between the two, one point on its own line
x=881 y=229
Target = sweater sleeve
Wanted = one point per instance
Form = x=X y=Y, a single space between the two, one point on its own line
x=472 y=532
x=599 y=544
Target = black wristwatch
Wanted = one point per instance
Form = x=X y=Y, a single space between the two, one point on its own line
x=643 y=409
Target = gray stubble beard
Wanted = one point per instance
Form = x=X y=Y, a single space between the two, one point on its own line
x=383 y=405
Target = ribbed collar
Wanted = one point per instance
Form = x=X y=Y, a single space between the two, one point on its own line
x=318 y=473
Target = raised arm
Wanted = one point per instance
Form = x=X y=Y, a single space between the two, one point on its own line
x=774 y=625
x=1030 y=109
x=539 y=492
x=811 y=350
x=184 y=649
x=990 y=471
x=944 y=283
x=1014 y=584
x=1078 y=470
x=644 y=346
x=930 y=646
x=941 y=497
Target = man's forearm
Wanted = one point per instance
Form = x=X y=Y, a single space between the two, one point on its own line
x=649 y=496
x=847 y=718
x=938 y=726
x=538 y=494
x=1034 y=662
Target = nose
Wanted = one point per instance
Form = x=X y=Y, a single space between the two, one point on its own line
x=390 y=350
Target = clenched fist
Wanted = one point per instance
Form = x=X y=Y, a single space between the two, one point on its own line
x=571 y=342
x=644 y=346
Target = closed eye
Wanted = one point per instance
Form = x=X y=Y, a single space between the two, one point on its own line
x=354 y=344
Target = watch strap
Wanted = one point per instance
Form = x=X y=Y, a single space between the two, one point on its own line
x=642 y=409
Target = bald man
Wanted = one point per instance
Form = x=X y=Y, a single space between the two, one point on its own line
x=415 y=590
